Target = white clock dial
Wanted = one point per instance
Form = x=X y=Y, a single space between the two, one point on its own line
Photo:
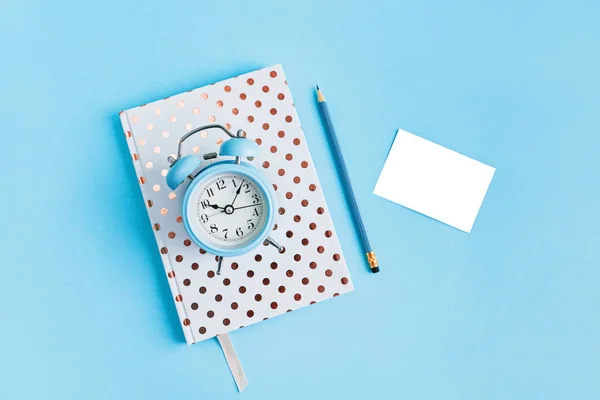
x=230 y=209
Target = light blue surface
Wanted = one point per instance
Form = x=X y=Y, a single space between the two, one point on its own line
x=252 y=174
x=510 y=311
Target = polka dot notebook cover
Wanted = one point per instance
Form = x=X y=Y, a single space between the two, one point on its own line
x=261 y=284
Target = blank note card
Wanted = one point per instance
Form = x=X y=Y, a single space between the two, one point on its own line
x=434 y=181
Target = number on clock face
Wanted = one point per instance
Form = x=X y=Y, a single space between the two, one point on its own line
x=230 y=208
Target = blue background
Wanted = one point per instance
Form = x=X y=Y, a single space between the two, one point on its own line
x=508 y=311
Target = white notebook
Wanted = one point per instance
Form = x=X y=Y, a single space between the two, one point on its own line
x=262 y=284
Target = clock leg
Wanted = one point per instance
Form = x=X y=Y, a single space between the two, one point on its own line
x=219 y=262
x=269 y=240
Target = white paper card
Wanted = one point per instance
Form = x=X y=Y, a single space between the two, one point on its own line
x=434 y=181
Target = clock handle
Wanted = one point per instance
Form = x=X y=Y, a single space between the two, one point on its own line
x=240 y=134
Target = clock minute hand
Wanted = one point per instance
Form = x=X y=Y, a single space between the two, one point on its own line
x=237 y=192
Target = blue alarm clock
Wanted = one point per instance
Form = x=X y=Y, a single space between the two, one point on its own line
x=229 y=207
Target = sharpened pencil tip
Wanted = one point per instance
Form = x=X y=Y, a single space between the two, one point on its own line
x=317 y=87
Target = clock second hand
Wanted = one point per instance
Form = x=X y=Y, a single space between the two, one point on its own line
x=237 y=192
x=249 y=205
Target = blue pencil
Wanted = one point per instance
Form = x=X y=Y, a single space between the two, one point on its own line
x=351 y=198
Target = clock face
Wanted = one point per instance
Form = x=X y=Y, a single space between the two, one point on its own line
x=229 y=210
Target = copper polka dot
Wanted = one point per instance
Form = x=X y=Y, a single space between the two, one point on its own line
x=296 y=141
x=202 y=251
x=250 y=118
x=250 y=313
x=320 y=210
x=234 y=266
x=336 y=257
x=187 y=242
x=273 y=74
x=297 y=257
x=202 y=290
x=135 y=157
x=202 y=330
x=321 y=288
x=187 y=282
x=235 y=111
x=142 y=180
x=289 y=234
x=195 y=111
x=304 y=164
x=313 y=265
x=312 y=187
x=328 y=234
x=273 y=111
x=210 y=274
x=336 y=294
x=179 y=219
x=250 y=81
x=265 y=126
x=195 y=266
x=258 y=297
x=320 y=249
x=312 y=226
x=219 y=103
x=226 y=281
x=226 y=322
x=304 y=203
x=281 y=96
x=266 y=281
x=164 y=250
x=250 y=273
x=275 y=226
x=274 y=305
x=281 y=134
x=171 y=274
x=171 y=235
x=150 y=203
x=204 y=96
x=179 y=298
x=273 y=149
x=258 y=258
x=210 y=314
x=227 y=88
x=288 y=157
x=289 y=273
x=219 y=298
x=305 y=242
x=258 y=141
x=281 y=172
x=273 y=265
x=297 y=218
x=194 y=306
x=297 y=179
x=297 y=297
x=288 y=118
x=344 y=281
x=242 y=289
x=179 y=258
x=281 y=289
x=281 y=210
x=258 y=103
x=243 y=96
x=275 y=186
x=289 y=195
x=265 y=89
x=313 y=302
x=328 y=273
x=186 y=322
x=234 y=306
x=228 y=126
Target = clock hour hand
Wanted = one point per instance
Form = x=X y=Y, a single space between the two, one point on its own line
x=216 y=207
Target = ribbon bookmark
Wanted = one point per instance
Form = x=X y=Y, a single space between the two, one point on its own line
x=233 y=361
